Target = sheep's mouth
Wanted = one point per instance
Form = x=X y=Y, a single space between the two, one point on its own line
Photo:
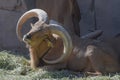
x=28 y=41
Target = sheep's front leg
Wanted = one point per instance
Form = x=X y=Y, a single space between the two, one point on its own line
x=34 y=62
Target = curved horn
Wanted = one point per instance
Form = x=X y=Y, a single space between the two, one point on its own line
x=40 y=14
x=67 y=41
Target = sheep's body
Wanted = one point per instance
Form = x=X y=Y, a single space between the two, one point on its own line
x=87 y=56
x=93 y=56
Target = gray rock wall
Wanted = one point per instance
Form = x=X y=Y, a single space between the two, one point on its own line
x=107 y=17
x=10 y=11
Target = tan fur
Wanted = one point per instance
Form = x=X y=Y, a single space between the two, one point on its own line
x=91 y=56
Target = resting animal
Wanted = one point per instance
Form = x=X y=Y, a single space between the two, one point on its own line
x=51 y=45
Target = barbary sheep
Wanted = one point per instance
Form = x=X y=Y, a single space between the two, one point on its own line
x=52 y=46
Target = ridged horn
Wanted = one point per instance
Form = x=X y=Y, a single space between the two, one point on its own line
x=67 y=43
x=40 y=14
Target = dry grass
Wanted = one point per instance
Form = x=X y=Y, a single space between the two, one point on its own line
x=14 y=67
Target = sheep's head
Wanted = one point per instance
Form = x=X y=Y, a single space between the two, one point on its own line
x=38 y=34
x=41 y=33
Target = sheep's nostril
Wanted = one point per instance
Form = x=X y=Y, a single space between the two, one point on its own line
x=27 y=36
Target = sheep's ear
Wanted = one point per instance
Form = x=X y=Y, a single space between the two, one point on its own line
x=31 y=24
